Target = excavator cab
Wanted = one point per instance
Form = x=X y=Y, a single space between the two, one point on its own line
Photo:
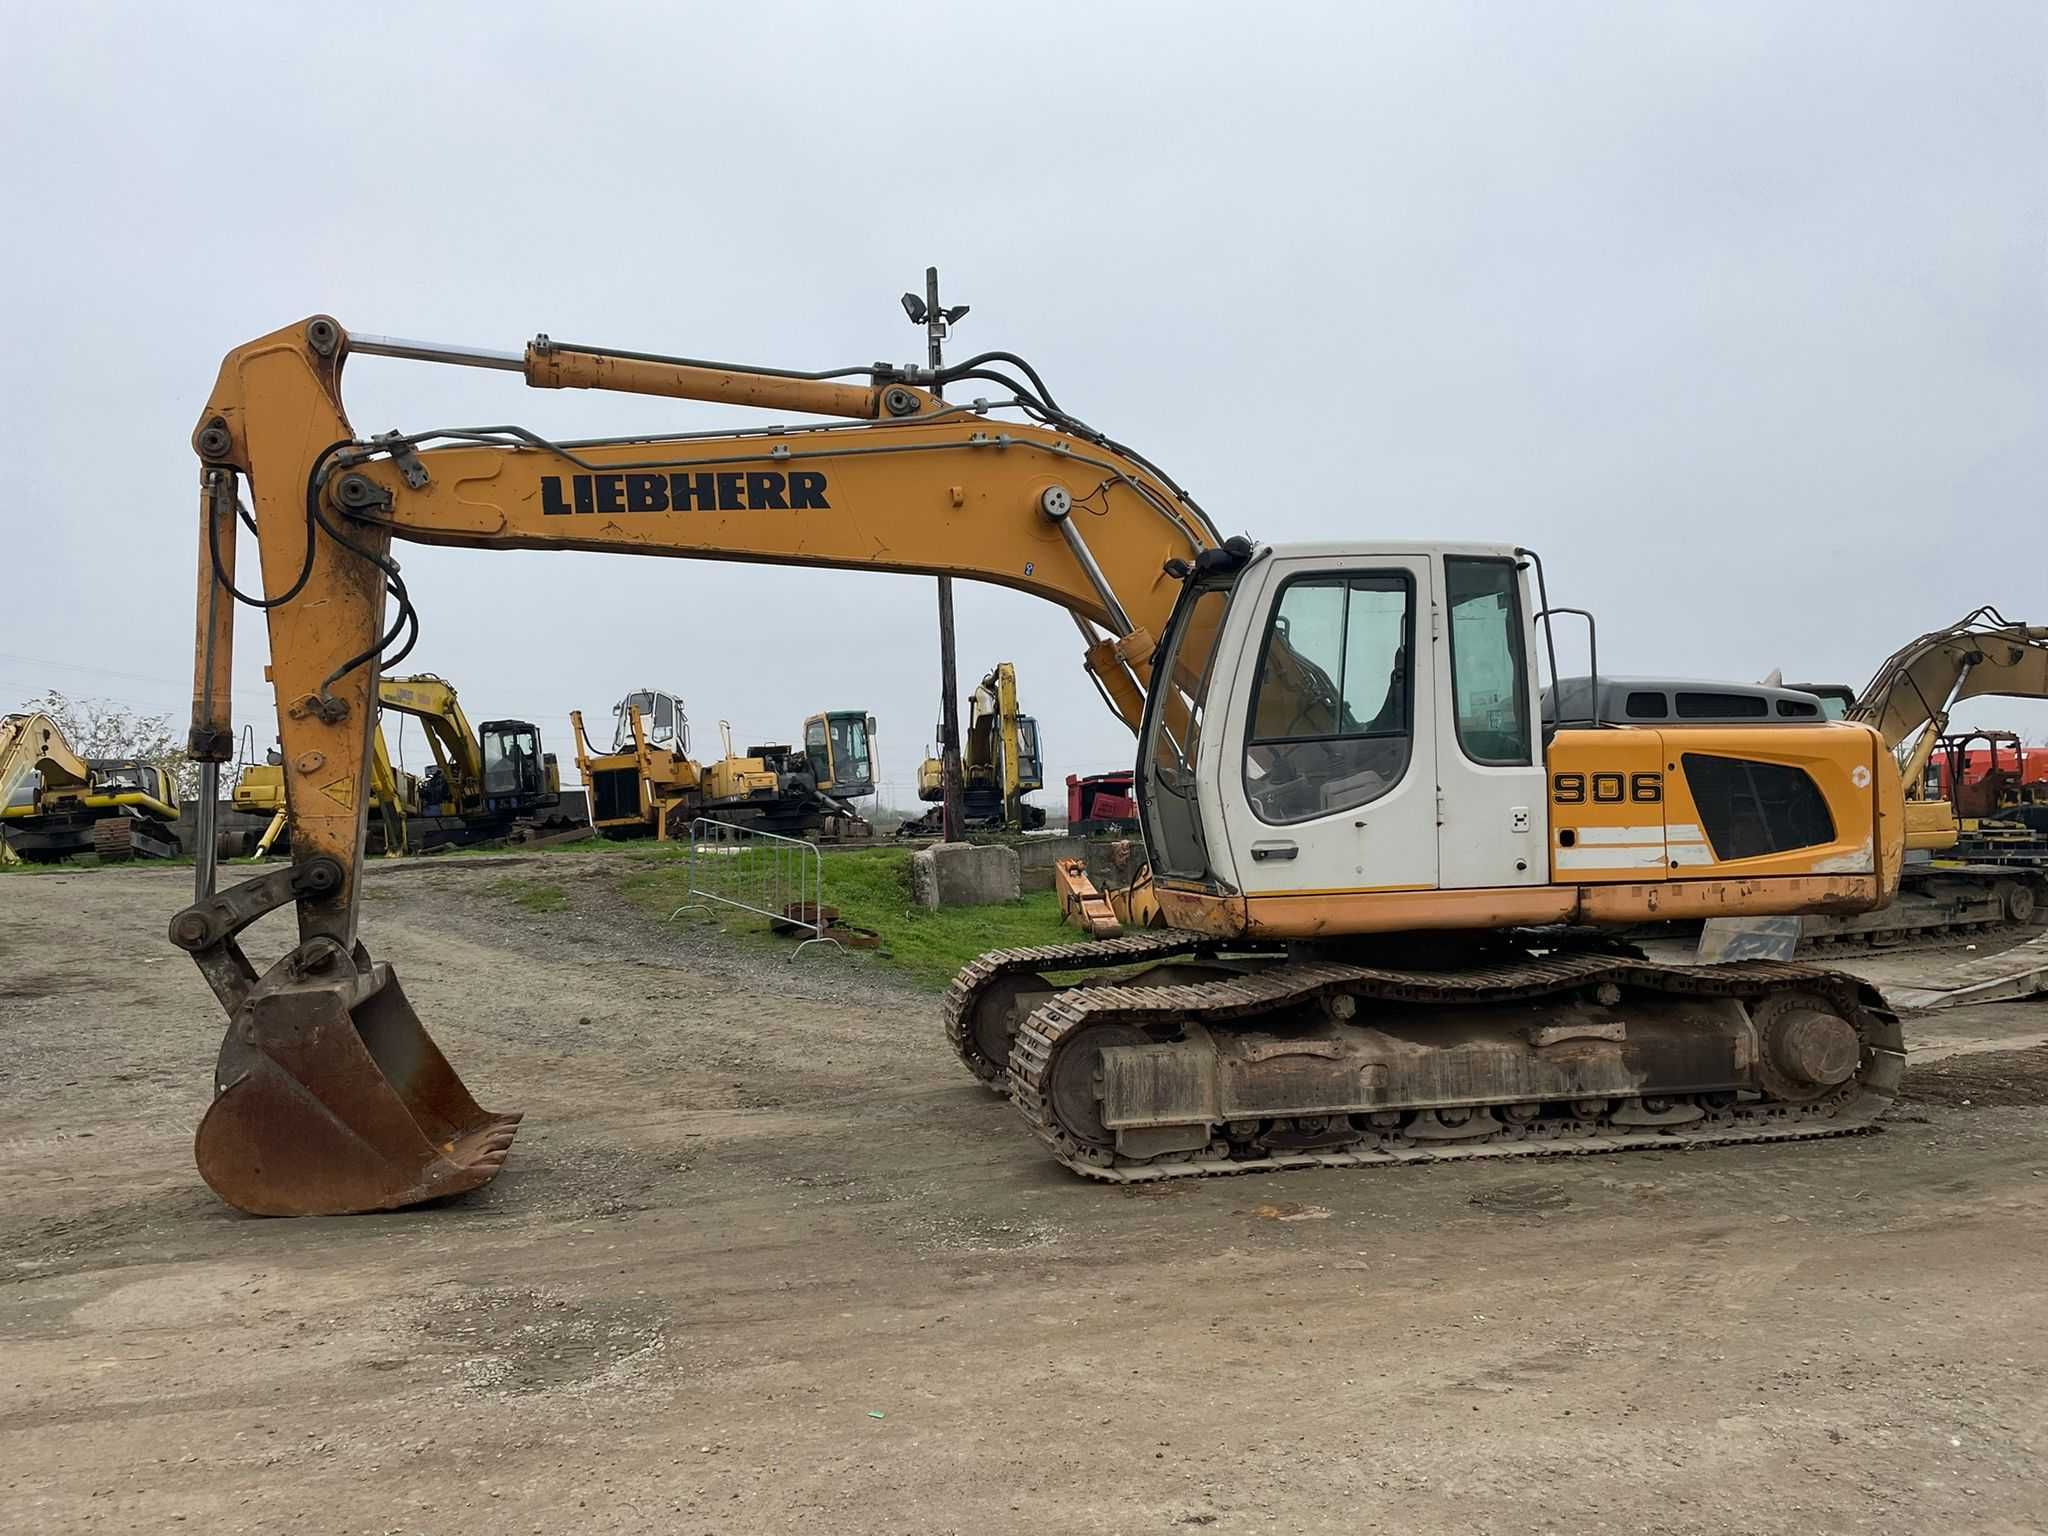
x=1030 y=770
x=840 y=746
x=515 y=774
x=662 y=722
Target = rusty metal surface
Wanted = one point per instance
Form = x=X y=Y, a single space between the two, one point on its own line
x=331 y=1099
x=329 y=1096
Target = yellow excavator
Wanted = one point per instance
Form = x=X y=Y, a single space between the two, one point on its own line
x=1910 y=700
x=839 y=745
x=648 y=785
x=485 y=779
x=54 y=803
x=999 y=765
x=1371 y=857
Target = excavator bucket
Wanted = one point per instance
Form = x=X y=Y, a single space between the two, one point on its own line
x=331 y=1098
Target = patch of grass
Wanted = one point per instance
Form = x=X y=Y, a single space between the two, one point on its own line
x=871 y=889
x=532 y=896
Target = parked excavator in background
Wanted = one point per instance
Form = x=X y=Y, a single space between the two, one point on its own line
x=1377 y=867
x=840 y=744
x=648 y=785
x=486 y=781
x=1000 y=764
x=55 y=804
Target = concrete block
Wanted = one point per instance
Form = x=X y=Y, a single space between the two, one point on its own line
x=963 y=875
x=1037 y=855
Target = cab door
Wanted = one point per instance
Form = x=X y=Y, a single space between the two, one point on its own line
x=1491 y=802
x=1328 y=775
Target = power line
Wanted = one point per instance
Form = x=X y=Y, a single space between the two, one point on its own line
x=136 y=677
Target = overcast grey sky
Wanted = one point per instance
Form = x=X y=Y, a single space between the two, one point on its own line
x=1735 y=311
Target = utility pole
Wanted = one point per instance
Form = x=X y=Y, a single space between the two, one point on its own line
x=936 y=321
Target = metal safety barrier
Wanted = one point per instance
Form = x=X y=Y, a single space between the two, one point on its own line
x=779 y=878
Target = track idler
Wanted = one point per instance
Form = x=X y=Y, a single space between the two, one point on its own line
x=329 y=1095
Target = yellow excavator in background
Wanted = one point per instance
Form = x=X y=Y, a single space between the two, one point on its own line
x=648 y=785
x=1910 y=700
x=840 y=747
x=1000 y=764
x=54 y=803
x=1372 y=859
x=485 y=780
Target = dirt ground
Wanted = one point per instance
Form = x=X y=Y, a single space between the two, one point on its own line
x=764 y=1260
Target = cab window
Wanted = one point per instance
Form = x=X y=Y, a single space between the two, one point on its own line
x=1174 y=711
x=1333 y=708
x=817 y=751
x=1029 y=774
x=641 y=704
x=511 y=762
x=1489 y=686
x=850 y=750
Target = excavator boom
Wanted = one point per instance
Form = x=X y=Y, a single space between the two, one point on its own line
x=1912 y=695
x=32 y=745
x=916 y=485
x=1982 y=654
x=114 y=807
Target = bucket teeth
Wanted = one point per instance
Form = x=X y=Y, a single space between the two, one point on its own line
x=497 y=1144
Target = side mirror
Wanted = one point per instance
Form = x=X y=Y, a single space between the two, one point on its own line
x=871 y=725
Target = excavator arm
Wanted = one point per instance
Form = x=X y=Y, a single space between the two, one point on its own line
x=1982 y=654
x=432 y=701
x=906 y=481
x=32 y=744
x=1004 y=681
x=933 y=489
x=1910 y=699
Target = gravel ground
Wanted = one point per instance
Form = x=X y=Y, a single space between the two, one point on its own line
x=763 y=1260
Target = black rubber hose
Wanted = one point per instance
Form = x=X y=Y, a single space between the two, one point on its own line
x=393 y=582
x=305 y=570
x=964 y=370
x=1024 y=395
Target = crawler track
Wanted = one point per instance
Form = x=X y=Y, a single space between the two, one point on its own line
x=113 y=839
x=972 y=986
x=1053 y=1025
